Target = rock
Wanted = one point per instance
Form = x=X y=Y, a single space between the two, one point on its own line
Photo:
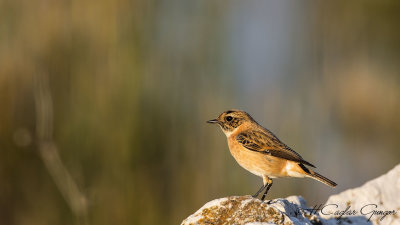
x=249 y=210
x=354 y=206
x=378 y=196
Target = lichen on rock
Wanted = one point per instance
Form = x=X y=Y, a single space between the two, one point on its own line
x=249 y=210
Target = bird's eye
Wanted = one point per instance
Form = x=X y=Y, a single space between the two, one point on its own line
x=228 y=118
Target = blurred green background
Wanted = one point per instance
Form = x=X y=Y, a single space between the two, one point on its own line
x=104 y=103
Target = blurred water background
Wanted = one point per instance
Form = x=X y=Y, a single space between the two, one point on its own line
x=104 y=103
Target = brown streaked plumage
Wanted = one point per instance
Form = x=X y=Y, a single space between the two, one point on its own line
x=259 y=151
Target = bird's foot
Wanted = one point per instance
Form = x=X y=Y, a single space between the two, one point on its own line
x=268 y=201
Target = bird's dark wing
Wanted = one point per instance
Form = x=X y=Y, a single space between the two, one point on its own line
x=268 y=143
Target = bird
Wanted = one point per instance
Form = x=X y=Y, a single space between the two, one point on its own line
x=259 y=151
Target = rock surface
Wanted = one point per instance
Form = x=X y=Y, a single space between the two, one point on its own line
x=373 y=200
x=376 y=202
x=249 y=210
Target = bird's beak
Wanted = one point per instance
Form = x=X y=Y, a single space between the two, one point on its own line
x=212 y=121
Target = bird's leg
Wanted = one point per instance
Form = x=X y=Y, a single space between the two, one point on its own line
x=269 y=184
x=259 y=191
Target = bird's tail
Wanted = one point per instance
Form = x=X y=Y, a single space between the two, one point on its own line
x=317 y=176
x=322 y=179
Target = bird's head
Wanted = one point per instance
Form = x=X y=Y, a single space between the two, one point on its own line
x=230 y=120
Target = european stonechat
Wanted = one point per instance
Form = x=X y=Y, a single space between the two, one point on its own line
x=259 y=151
